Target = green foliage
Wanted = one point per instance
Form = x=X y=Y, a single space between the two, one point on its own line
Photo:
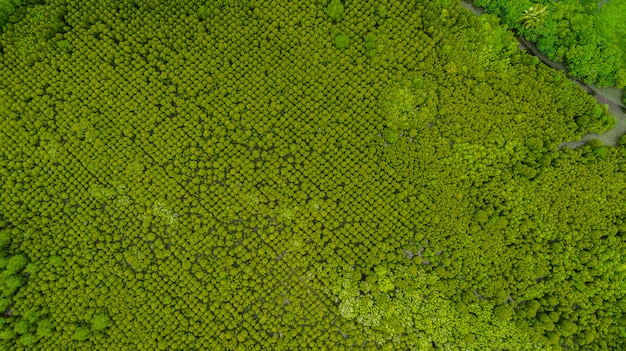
x=7 y=8
x=534 y=15
x=370 y=44
x=21 y=327
x=10 y=284
x=481 y=216
x=202 y=12
x=381 y=10
x=567 y=328
x=622 y=140
x=5 y=239
x=342 y=41
x=16 y=263
x=620 y=78
x=5 y=303
x=56 y=261
x=31 y=268
x=218 y=172
x=588 y=36
x=334 y=10
x=417 y=83
x=594 y=63
x=404 y=107
x=30 y=315
x=44 y=328
x=391 y=136
x=601 y=151
x=82 y=333
x=14 y=330
x=427 y=317
x=503 y=312
x=64 y=45
x=534 y=143
x=610 y=24
x=7 y=335
x=27 y=340
x=100 y=322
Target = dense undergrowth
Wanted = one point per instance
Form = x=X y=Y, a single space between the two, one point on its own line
x=14 y=10
x=588 y=35
x=611 y=23
x=7 y=8
x=254 y=175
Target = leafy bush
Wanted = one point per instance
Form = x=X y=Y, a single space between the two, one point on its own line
x=82 y=333
x=16 y=263
x=21 y=327
x=100 y=322
x=390 y=136
x=7 y=7
x=334 y=10
x=44 y=328
x=381 y=10
x=342 y=41
x=27 y=340
x=5 y=239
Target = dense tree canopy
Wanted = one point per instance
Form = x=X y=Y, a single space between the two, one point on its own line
x=292 y=175
x=588 y=35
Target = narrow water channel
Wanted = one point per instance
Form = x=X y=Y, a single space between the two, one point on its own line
x=612 y=97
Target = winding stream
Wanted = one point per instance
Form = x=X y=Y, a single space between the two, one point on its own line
x=612 y=97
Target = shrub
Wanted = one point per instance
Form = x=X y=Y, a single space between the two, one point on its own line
x=342 y=41
x=334 y=10
x=11 y=284
x=21 y=327
x=567 y=328
x=417 y=83
x=16 y=263
x=27 y=340
x=534 y=143
x=7 y=7
x=503 y=312
x=390 y=136
x=5 y=238
x=370 y=41
x=620 y=79
x=31 y=268
x=82 y=333
x=100 y=322
x=381 y=10
x=44 y=328
x=7 y=334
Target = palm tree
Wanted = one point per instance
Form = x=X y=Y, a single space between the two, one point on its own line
x=534 y=15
